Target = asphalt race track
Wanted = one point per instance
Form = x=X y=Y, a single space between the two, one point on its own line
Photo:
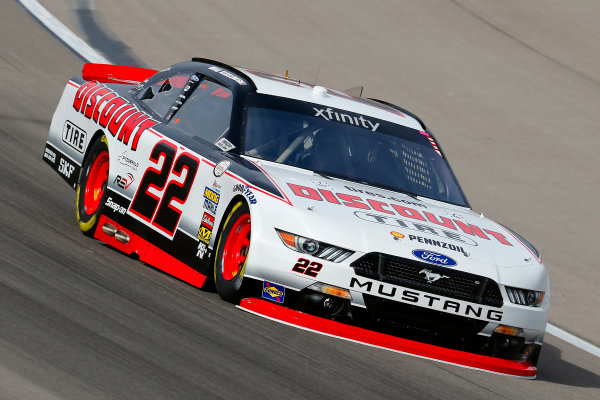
x=511 y=88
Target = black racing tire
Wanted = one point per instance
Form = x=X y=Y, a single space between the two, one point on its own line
x=232 y=253
x=91 y=188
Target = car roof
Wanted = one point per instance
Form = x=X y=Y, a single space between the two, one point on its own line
x=281 y=86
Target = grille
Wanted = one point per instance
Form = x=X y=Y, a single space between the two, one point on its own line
x=404 y=315
x=409 y=273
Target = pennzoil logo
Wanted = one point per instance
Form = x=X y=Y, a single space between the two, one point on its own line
x=274 y=292
x=397 y=235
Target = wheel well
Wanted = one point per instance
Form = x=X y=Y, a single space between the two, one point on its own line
x=97 y=135
x=233 y=202
x=209 y=285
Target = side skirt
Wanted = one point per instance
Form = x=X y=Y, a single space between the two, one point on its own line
x=148 y=253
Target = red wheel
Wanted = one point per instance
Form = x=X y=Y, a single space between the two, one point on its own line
x=236 y=247
x=91 y=191
x=96 y=183
x=232 y=252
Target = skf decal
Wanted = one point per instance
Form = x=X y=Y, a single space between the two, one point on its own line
x=115 y=207
x=74 y=136
x=273 y=292
x=426 y=219
x=97 y=102
x=434 y=258
x=246 y=191
x=397 y=235
x=65 y=168
x=204 y=234
x=426 y=300
x=124 y=181
x=438 y=243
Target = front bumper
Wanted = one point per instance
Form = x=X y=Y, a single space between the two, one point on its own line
x=521 y=369
x=413 y=307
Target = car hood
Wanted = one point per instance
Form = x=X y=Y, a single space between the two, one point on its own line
x=366 y=219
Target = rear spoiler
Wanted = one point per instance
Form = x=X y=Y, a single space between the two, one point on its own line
x=108 y=73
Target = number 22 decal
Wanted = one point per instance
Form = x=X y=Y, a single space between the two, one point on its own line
x=159 y=211
x=306 y=267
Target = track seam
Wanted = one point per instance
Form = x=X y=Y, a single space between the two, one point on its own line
x=522 y=43
x=88 y=54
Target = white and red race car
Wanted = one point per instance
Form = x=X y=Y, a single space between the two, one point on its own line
x=309 y=205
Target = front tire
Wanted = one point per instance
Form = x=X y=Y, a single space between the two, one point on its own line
x=232 y=253
x=91 y=190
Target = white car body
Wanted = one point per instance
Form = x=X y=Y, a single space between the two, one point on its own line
x=314 y=206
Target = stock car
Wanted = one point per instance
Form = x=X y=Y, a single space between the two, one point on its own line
x=304 y=196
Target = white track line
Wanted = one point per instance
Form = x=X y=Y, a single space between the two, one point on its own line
x=91 y=55
x=572 y=339
x=63 y=33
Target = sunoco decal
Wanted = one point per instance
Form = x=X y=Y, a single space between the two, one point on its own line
x=274 y=292
x=434 y=258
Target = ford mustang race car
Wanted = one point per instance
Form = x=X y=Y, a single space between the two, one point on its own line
x=339 y=207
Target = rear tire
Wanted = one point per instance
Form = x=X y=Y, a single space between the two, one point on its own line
x=91 y=190
x=232 y=253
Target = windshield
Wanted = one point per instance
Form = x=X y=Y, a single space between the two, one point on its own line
x=338 y=143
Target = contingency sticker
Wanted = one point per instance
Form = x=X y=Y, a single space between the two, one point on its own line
x=274 y=292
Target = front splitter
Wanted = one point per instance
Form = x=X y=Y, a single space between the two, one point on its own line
x=521 y=369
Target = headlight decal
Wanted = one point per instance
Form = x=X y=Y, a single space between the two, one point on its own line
x=313 y=247
x=524 y=297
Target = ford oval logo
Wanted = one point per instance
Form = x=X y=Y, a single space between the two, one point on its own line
x=434 y=258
